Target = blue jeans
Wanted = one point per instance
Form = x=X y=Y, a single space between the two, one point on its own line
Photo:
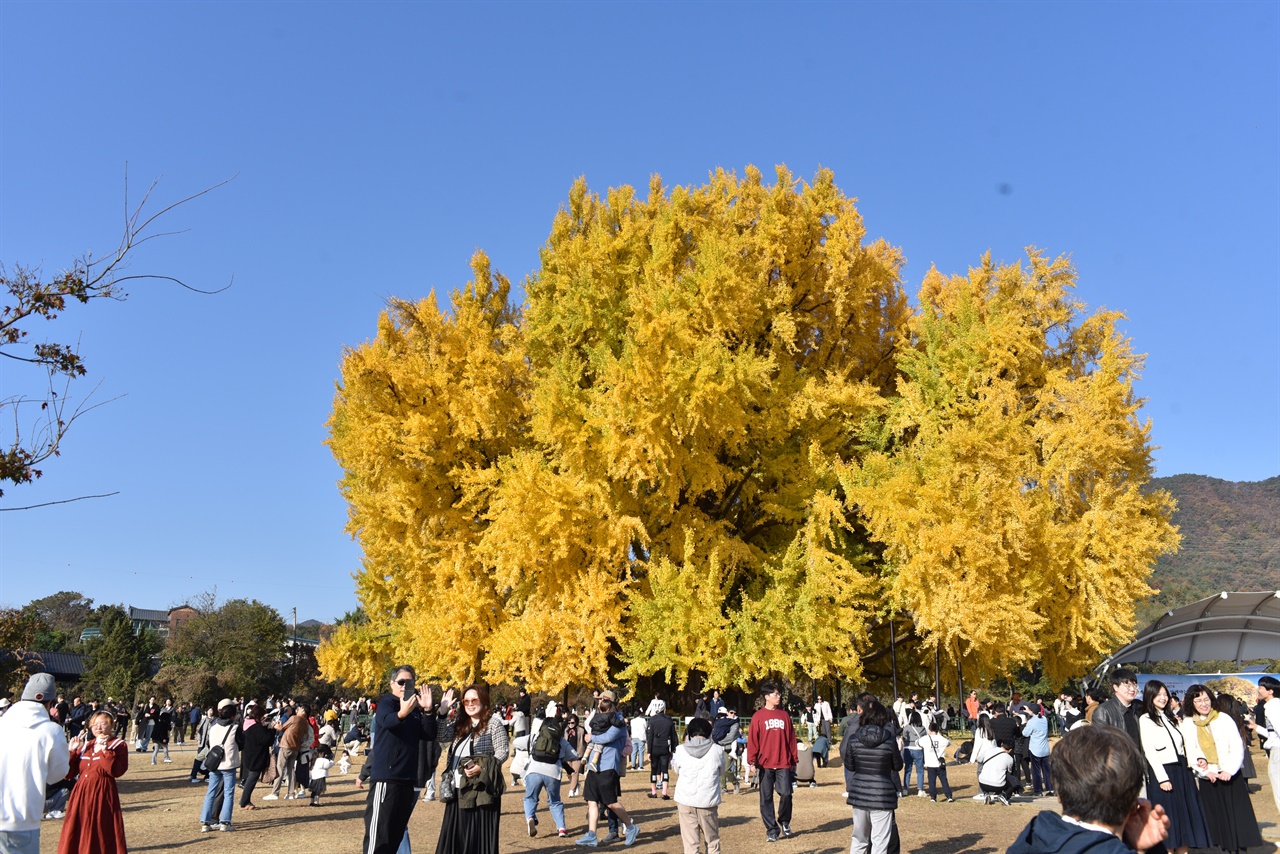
x=913 y=757
x=20 y=841
x=533 y=785
x=220 y=783
x=404 y=844
x=637 y=754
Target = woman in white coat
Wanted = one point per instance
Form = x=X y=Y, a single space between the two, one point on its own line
x=1215 y=753
x=699 y=762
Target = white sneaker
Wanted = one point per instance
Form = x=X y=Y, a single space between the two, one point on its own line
x=270 y=797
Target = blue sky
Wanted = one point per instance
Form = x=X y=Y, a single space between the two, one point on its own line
x=378 y=145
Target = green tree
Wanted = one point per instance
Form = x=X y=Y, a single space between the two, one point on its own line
x=118 y=661
x=18 y=631
x=65 y=613
x=241 y=643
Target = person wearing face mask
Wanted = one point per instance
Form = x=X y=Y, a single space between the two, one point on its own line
x=224 y=733
x=94 y=820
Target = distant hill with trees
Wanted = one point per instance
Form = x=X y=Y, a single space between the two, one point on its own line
x=1230 y=541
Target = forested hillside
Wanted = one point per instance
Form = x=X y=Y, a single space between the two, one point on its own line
x=1230 y=541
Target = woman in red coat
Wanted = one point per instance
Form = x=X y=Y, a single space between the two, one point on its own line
x=94 y=822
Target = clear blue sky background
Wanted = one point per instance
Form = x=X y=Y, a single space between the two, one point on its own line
x=378 y=145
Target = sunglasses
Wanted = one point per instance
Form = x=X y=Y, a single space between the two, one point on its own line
x=404 y=682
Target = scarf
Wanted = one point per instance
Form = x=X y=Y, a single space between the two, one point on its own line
x=1207 y=745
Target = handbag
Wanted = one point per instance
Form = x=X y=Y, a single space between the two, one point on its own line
x=216 y=754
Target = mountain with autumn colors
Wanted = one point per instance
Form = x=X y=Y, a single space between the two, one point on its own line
x=1230 y=541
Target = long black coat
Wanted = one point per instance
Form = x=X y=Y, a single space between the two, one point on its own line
x=872 y=757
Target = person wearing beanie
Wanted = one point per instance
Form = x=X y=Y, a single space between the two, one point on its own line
x=33 y=755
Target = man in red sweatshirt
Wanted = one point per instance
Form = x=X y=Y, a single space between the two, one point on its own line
x=771 y=748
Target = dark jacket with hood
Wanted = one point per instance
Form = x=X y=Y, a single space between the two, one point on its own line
x=1047 y=833
x=873 y=760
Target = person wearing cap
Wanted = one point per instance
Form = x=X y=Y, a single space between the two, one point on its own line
x=33 y=755
x=224 y=732
x=603 y=787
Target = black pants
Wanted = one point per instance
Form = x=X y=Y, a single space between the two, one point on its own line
x=250 y=780
x=771 y=779
x=936 y=774
x=386 y=815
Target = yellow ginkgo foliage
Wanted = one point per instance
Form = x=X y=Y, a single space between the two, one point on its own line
x=1009 y=484
x=716 y=440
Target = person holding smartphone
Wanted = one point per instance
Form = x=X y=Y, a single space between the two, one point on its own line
x=404 y=717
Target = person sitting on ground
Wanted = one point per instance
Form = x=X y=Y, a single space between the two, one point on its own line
x=1099 y=773
x=997 y=777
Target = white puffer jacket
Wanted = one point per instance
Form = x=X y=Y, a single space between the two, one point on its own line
x=700 y=764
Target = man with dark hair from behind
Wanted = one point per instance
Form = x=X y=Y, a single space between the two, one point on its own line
x=1099 y=772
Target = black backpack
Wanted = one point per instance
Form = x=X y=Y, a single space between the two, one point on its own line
x=546 y=747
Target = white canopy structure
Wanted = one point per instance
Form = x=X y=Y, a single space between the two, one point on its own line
x=1227 y=627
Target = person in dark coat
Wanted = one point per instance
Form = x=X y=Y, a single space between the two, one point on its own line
x=872 y=761
x=256 y=756
x=1099 y=774
x=661 y=746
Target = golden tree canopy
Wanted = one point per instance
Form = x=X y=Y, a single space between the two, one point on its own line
x=717 y=439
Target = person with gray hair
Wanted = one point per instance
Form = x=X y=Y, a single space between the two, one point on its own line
x=33 y=755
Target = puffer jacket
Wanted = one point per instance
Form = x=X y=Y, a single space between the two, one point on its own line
x=873 y=760
x=699 y=762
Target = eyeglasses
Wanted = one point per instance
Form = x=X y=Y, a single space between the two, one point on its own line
x=469 y=700
x=404 y=682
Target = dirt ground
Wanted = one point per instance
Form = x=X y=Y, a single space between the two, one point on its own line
x=162 y=812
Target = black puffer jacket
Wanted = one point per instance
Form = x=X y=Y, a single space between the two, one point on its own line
x=873 y=759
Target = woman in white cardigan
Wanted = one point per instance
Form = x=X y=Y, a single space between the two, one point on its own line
x=1170 y=783
x=1215 y=754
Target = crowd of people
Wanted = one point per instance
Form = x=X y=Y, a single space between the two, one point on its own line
x=1190 y=790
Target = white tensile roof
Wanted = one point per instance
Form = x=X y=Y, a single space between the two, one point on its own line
x=1227 y=627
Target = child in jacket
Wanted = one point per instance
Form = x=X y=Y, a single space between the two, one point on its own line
x=699 y=762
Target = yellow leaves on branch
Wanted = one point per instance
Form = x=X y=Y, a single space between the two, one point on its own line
x=1009 y=486
x=688 y=450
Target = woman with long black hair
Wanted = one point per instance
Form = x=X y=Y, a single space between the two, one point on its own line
x=1215 y=754
x=479 y=747
x=1170 y=783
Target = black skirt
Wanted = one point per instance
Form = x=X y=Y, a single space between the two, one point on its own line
x=1229 y=812
x=472 y=831
x=1187 y=825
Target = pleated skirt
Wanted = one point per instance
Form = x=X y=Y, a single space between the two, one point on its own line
x=473 y=831
x=1232 y=823
x=1187 y=824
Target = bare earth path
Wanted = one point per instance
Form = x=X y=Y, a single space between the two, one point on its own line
x=162 y=812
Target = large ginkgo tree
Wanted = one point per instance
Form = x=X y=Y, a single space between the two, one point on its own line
x=716 y=439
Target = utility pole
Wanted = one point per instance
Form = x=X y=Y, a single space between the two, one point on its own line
x=293 y=653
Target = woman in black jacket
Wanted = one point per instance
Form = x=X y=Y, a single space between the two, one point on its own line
x=256 y=755
x=873 y=759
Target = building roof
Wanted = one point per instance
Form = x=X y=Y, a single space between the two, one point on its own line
x=149 y=615
x=1227 y=627
x=65 y=666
